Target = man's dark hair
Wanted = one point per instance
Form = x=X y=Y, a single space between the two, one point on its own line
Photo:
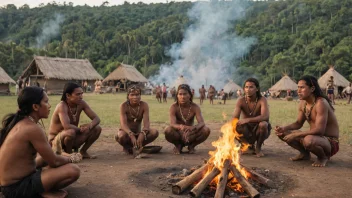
x=184 y=87
x=26 y=98
x=68 y=89
x=256 y=83
x=313 y=82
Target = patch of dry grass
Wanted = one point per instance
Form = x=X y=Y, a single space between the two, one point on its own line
x=107 y=107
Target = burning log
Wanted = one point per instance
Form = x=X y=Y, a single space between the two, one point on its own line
x=259 y=177
x=247 y=187
x=180 y=186
x=220 y=189
x=198 y=189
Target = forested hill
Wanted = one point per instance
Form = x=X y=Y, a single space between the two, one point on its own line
x=294 y=37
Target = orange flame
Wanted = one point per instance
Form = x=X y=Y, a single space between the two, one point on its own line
x=228 y=147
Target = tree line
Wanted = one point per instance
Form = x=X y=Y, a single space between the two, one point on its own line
x=294 y=37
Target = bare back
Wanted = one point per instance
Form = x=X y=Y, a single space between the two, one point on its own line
x=17 y=153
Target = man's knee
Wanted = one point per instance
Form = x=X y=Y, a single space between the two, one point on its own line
x=122 y=137
x=168 y=131
x=68 y=135
x=309 y=141
x=97 y=130
x=205 y=131
x=73 y=172
x=153 y=133
x=263 y=126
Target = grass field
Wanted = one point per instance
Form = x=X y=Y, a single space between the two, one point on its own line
x=107 y=107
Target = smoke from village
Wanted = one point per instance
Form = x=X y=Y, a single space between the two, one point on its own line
x=50 y=29
x=209 y=53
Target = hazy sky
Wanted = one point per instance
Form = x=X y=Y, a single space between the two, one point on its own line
x=35 y=3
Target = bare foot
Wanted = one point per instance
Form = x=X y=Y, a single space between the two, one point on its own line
x=259 y=154
x=191 y=150
x=85 y=155
x=55 y=194
x=321 y=162
x=127 y=151
x=301 y=156
x=177 y=149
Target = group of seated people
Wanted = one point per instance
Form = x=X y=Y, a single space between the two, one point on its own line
x=33 y=165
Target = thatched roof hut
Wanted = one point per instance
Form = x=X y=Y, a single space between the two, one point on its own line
x=339 y=80
x=5 y=81
x=231 y=87
x=179 y=81
x=53 y=73
x=285 y=83
x=126 y=72
x=5 y=78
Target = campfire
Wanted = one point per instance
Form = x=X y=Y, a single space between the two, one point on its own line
x=223 y=170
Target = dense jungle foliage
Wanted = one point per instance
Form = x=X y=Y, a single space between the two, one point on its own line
x=294 y=37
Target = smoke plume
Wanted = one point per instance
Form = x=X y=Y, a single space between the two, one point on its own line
x=50 y=29
x=210 y=50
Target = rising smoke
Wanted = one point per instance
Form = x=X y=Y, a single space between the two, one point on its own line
x=50 y=30
x=210 y=52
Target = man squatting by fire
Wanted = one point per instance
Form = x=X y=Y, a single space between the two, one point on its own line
x=322 y=138
x=132 y=112
x=182 y=131
x=25 y=151
x=253 y=109
x=64 y=131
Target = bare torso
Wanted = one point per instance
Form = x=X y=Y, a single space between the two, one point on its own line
x=332 y=127
x=17 y=154
x=134 y=115
x=202 y=91
x=252 y=109
x=55 y=123
x=189 y=113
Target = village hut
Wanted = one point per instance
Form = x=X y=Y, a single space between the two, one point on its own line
x=231 y=87
x=179 y=81
x=340 y=82
x=284 y=85
x=5 y=81
x=124 y=75
x=53 y=73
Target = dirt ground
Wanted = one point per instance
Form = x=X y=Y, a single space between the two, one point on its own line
x=115 y=174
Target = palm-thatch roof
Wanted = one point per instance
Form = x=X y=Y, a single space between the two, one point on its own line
x=285 y=83
x=62 y=68
x=339 y=80
x=127 y=72
x=179 y=81
x=231 y=87
x=5 y=78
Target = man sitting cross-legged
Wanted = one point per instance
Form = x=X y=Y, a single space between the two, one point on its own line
x=181 y=131
x=322 y=138
x=64 y=122
x=132 y=112
x=21 y=139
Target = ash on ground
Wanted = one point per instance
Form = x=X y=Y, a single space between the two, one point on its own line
x=162 y=179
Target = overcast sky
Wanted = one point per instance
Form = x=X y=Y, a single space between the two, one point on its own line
x=35 y=3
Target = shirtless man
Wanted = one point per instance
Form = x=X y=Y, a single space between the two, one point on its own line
x=21 y=173
x=254 y=123
x=330 y=89
x=322 y=138
x=158 y=93
x=65 y=119
x=182 y=131
x=211 y=94
x=132 y=112
x=202 y=92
